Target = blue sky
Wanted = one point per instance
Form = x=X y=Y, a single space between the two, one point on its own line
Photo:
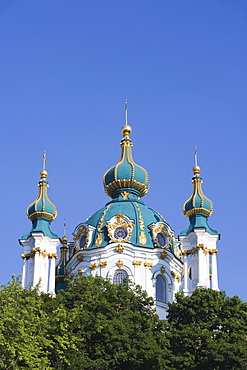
x=66 y=68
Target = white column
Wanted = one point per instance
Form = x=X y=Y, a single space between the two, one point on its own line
x=36 y=269
x=24 y=273
x=186 y=273
x=214 y=271
x=200 y=267
x=31 y=269
x=51 y=288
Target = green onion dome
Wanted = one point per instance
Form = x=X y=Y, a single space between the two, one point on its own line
x=198 y=203
x=126 y=175
x=42 y=206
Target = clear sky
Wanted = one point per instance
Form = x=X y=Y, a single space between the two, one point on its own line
x=66 y=68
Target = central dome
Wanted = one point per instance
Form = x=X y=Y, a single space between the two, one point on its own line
x=126 y=176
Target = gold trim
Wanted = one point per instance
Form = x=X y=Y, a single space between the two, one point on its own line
x=163 y=255
x=137 y=263
x=79 y=257
x=80 y=271
x=121 y=221
x=119 y=263
x=103 y=264
x=99 y=238
x=162 y=269
x=125 y=194
x=197 y=191
x=142 y=236
x=175 y=275
x=120 y=248
x=148 y=265
x=83 y=230
x=93 y=266
x=118 y=184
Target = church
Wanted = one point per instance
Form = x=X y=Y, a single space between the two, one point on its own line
x=125 y=238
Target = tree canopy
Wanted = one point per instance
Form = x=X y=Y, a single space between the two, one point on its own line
x=208 y=331
x=94 y=324
x=91 y=325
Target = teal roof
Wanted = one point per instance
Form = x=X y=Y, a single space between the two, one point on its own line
x=136 y=211
x=42 y=211
x=198 y=207
x=126 y=173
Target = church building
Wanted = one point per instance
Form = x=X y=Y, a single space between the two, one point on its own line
x=125 y=238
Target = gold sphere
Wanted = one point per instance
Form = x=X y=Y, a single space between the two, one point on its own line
x=196 y=170
x=44 y=174
x=126 y=130
x=64 y=240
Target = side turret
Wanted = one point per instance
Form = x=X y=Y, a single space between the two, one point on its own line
x=40 y=243
x=199 y=240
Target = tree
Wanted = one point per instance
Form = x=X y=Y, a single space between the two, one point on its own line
x=116 y=326
x=208 y=331
x=91 y=325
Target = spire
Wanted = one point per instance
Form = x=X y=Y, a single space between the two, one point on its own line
x=60 y=271
x=126 y=176
x=198 y=207
x=42 y=211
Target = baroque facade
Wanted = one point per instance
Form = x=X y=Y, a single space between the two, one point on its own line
x=124 y=239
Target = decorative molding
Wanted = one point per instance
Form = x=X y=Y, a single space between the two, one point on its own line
x=80 y=271
x=79 y=257
x=119 y=220
x=163 y=255
x=142 y=236
x=175 y=275
x=125 y=194
x=103 y=264
x=137 y=263
x=119 y=263
x=83 y=230
x=93 y=266
x=99 y=239
x=148 y=265
x=162 y=269
x=37 y=250
x=120 y=248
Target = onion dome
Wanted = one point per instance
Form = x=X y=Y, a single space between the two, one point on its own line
x=198 y=207
x=42 y=206
x=126 y=175
x=42 y=211
x=197 y=203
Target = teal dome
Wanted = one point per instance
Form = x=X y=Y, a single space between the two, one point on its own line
x=197 y=203
x=198 y=207
x=129 y=221
x=126 y=175
x=42 y=206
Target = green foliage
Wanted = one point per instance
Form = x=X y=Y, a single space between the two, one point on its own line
x=91 y=325
x=208 y=331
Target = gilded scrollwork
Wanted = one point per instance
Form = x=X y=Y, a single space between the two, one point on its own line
x=82 y=232
x=117 y=222
x=120 y=248
x=148 y=265
x=142 y=236
x=93 y=266
x=103 y=264
x=137 y=263
x=99 y=238
x=119 y=263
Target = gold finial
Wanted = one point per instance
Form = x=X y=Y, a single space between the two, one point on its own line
x=64 y=227
x=195 y=156
x=44 y=173
x=196 y=169
x=126 y=129
x=44 y=160
x=126 y=112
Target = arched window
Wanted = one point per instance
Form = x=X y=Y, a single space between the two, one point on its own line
x=161 y=289
x=119 y=276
